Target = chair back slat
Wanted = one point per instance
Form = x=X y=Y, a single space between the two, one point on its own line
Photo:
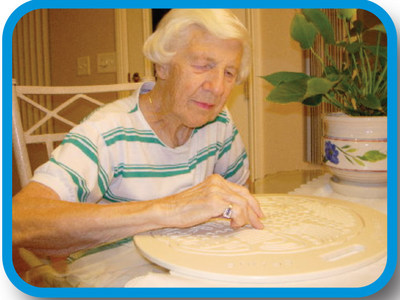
x=36 y=114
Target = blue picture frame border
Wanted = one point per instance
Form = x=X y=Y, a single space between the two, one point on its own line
x=199 y=292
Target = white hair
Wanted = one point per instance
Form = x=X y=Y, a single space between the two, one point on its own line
x=174 y=28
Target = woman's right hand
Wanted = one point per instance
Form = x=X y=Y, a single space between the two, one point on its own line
x=210 y=199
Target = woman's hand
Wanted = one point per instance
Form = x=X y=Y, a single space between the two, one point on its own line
x=210 y=199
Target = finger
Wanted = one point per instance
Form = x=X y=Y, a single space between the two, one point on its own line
x=254 y=220
x=237 y=220
x=246 y=207
x=250 y=202
x=241 y=217
x=236 y=216
x=244 y=192
x=243 y=207
x=255 y=205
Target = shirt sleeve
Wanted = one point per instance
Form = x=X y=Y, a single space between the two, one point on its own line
x=232 y=163
x=79 y=169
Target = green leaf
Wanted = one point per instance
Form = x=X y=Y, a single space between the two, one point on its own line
x=351 y=150
x=359 y=161
x=346 y=83
x=332 y=73
x=373 y=156
x=321 y=22
x=358 y=27
x=303 y=31
x=317 y=86
x=292 y=91
x=378 y=27
x=313 y=101
x=381 y=53
x=341 y=44
x=346 y=13
x=280 y=77
x=354 y=47
x=371 y=101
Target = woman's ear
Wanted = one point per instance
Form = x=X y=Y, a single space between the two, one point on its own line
x=162 y=71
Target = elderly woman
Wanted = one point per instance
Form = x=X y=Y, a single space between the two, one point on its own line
x=167 y=156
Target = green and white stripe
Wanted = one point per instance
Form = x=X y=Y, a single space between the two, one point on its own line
x=130 y=135
x=89 y=149
x=80 y=182
x=237 y=165
x=166 y=170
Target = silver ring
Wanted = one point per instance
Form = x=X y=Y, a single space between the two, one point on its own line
x=228 y=212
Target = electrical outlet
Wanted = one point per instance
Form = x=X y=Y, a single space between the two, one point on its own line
x=83 y=64
x=106 y=62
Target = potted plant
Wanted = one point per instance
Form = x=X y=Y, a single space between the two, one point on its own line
x=357 y=88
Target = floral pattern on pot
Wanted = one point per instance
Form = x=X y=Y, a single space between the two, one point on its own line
x=356 y=148
x=332 y=154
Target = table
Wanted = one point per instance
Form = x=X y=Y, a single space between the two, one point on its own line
x=121 y=265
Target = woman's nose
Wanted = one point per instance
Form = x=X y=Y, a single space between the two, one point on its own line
x=215 y=82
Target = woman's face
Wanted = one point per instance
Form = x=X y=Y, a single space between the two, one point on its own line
x=200 y=78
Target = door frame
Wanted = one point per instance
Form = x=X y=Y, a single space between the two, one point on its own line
x=255 y=92
x=121 y=43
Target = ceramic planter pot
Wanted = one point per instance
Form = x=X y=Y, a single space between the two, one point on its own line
x=356 y=148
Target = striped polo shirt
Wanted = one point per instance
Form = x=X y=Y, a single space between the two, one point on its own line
x=115 y=156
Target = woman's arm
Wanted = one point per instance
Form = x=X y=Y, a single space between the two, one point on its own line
x=46 y=225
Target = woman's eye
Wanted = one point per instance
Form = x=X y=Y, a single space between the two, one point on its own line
x=230 y=74
x=201 y=67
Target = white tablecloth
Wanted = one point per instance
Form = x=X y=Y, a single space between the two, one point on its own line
x=124 y=266
x=320 y=187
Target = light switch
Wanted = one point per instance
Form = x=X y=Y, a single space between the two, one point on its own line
x=83 y=65
x=106 y=62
